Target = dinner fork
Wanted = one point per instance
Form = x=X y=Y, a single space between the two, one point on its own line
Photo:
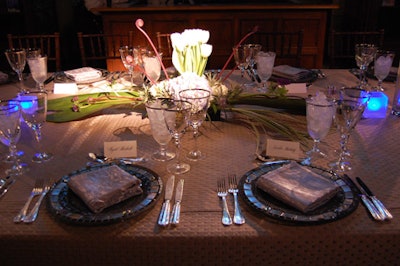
x=34 y=212
x=238 y=217
x=222 y=193
x=37 y=190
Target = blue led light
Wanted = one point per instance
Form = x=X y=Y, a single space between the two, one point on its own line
x=377 y=105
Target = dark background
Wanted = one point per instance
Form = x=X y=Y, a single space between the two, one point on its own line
x=70 y=16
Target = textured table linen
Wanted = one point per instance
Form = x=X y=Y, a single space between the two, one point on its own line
x=200 y=238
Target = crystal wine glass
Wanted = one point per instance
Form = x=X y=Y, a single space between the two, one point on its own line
x=130 y=57
x=38 y=66
x=10 y=129
x=16 y=57
x=265 y=64
x=364 y=55
x=349 y=110
x=34 y=110
x=241 y=53
x=152 y=66
x=320 y=112
x=382 y=64
x=159 y=129
x=176 y=117
x=199 y=100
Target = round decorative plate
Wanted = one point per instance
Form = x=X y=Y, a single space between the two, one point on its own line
x=67 y=206
x=341 y=205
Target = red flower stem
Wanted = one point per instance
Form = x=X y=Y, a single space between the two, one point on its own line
x=255 y=29
x=139 y=24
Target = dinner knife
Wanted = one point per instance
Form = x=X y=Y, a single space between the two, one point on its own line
x=163 y=220
x=176 y=210
x=367 y=202
x=378 y=204
x=5 y=185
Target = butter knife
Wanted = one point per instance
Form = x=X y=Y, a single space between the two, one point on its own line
x=367 y=202
x=176 y=210
x=378 y=204
x=163 y=219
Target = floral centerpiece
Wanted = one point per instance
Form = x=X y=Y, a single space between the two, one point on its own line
x=190 y=55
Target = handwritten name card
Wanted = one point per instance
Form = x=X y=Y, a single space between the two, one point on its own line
x=283 y=149
x=120 y=149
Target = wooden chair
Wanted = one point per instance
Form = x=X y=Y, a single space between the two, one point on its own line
x=287 y=45
x=341 y=46
x=102 y=50
x=164 y=46
x=49 y=45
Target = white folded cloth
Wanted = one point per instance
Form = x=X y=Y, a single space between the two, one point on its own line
x=289 y=72
x=83 y=74
x=298 y=187
x=104 y=187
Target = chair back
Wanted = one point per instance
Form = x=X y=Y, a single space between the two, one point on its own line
x=49 y=45
x=287 y=45
x=102 y=50
x=341 y=49
x=164 y=46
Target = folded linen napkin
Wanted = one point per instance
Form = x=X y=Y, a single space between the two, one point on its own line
x=105 y=187
x=83 y=74
x=289 y=72
x=298 y=187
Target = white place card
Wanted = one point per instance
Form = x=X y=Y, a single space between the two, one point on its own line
x=296 y=88
x=120 y=149
x=65 y=88
x=283 y=149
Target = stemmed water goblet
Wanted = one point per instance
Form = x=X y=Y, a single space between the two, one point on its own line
x=38 y=66
x=199 y=100
x=34 y=111
x=364 y=55
x=254 y=49
x=10 y=130
x=265 y=64
x=320 y=112
x=241 y=54
x=16 y=57
x=152 y=66
x=382 y=64
x=348 y=111
x=159 y=129
x=131 y=57
x=176 y=116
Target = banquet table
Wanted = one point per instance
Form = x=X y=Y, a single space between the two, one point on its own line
x=200 y=238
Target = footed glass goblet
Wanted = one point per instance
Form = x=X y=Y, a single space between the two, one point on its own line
x=382 y=64
x=176 y=117
x=34 y=111
x=38 y=66
x=16 y=57
x=155 y=112
x=199 y=100
x=320 y=112
x=364 y=55
x=10 y=129
x=349 y=109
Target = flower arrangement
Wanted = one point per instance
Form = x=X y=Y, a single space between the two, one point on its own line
x=190 y=55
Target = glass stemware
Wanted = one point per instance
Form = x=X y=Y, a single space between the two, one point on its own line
x=265 y=64
x=34 y=111
x=152 y=66
x=176 y=117
x=364 y=55
x=349 y=110
x=199 y=100
x=382 y=64
x=159 y=129
x=130 y=57
x=38 y=66
x=16 y=57
x=241 y=54
x=320 y=112
x=10 y=129
x=254 y=49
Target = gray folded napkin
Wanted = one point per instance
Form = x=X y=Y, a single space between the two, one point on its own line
x=105 y=187
x=289 y=72
x=298 y=187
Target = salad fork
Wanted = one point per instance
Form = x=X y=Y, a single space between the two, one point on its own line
x=36 y=191
x=222 y=193
x=34 y=212
x=238 y=217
